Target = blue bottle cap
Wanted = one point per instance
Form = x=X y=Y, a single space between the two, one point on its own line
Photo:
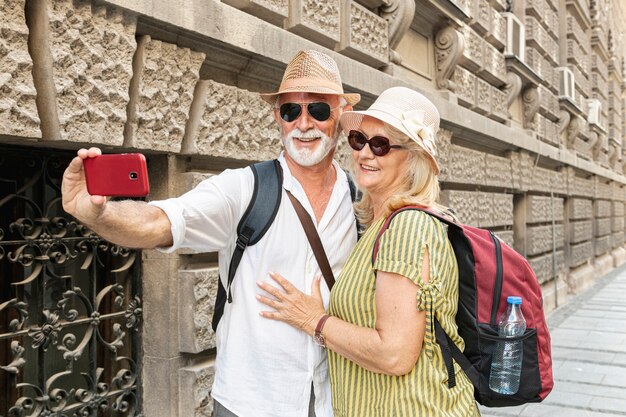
x=514 y=299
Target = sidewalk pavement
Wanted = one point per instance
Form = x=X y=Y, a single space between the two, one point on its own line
x=588 y=354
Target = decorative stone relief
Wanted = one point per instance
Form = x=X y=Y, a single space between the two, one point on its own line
x=449 y=46
x=161 y=95
x=542 y=266
x=495 y=209
x=539 y=239
x=498 y=105
x=365 y=35
x=580 y=209
x=472 y=52
x=18 y=110
x=92 y=50
x=539 y=209
x=315 y=20
x=530 y=101
x=498 y=171
x=603 y=245
x=495 y=65
x=580 y=231
x=399 y=14
x=483 y=96
x=512 y=89
x=235 y=123
x=498 y=29
x=480 y=13
x=603 y=226
x=464 y=203
x=581 y=253
x=196 y=298
x=602 y=208
x=467 y=166
x=194 y=390
x=465 y=87
x=444 y=138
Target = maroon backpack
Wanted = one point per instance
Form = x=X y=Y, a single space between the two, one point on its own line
x=489 y=271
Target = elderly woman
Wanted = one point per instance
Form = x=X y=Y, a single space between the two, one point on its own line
x=383 y=355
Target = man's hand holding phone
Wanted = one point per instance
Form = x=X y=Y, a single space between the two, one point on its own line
x=92 y=177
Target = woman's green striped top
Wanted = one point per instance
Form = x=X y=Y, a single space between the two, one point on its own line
x=424 y=391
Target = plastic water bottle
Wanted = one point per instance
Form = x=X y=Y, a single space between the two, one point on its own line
x=506 y=366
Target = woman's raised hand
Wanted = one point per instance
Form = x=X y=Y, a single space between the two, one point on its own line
x=291 y=305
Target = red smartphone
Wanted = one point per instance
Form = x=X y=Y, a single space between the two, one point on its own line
x=117 y=175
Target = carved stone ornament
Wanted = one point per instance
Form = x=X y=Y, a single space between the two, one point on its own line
x=512 y=89
x=531 y=100
x=449 y=44
x=573 y=129
x=399 y=14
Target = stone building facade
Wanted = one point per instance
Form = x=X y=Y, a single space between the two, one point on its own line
x=532 y=96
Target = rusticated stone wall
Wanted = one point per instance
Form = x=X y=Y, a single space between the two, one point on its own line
x=18 y=112
x=517 y=158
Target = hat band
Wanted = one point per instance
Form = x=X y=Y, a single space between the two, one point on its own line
x=301 y=83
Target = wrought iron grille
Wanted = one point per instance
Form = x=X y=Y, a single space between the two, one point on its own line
x=70 y=302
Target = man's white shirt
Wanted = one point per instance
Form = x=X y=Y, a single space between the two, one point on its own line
x=264 y=368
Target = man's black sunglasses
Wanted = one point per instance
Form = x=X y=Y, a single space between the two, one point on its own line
x=320 y=111
x=378 y=144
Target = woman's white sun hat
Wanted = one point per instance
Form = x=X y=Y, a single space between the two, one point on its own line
x=408 y=111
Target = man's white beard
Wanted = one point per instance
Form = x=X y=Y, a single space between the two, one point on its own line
x=304 y=156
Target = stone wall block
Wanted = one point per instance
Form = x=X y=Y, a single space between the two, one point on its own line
x=506 y=236
x=603 y=245
x=273 y=11
x=603 y=226
x=580 y=231
x=617 y=224
x=189 y=180
x=465 y=83
x=364 y=35
x=581 y=187
x=498 y=171
x=542 y=265
x=580 y=209
x=18 y=110
x=318 y=21
x=539 y=238
x=466 y=165
x=483 y=96
x=235 y=123
x=602 y=208
x=472 y=57
x=444 y=139
x=539 y=209
x=495 y=209
x=617 y=239
x=161 y=95
x=194 y=390
x=499 y=105
x=197 y=292
x=522 y=168
x=92 y=50
x=581 y=253
x=464 y=203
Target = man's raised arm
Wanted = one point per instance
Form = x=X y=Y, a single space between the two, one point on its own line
x=129 y=223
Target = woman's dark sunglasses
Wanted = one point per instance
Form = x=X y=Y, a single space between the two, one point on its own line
x=378 y=144
x=320 y=111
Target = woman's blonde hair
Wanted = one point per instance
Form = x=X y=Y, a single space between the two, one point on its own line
x=419 y=187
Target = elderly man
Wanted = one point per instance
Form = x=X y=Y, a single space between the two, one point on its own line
x=263 y=367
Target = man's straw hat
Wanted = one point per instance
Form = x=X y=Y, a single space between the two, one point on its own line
x=408 y=111
x=311 y=72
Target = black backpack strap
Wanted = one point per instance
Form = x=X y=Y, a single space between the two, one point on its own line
x=256 y=220
x=450 y=350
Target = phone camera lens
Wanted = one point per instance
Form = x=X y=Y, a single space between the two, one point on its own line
x=133 y=175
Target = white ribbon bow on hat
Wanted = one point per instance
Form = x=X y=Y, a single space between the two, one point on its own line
x=413 y=121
